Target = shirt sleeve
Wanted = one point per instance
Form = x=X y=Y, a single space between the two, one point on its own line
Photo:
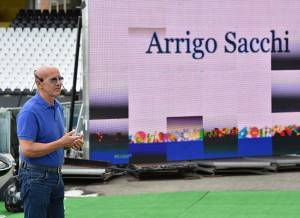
x=27 y=126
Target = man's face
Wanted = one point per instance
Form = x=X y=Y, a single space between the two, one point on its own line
x=52 y=83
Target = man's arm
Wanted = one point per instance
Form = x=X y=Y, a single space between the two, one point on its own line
x=36 y=149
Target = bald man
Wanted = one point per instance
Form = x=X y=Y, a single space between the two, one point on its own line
x=40 y=129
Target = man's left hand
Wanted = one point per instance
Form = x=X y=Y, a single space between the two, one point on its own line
x=77 y=144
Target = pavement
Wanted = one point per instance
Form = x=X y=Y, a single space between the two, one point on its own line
x=127 y=184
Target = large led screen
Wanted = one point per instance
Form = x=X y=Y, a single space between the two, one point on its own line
x=186 y=80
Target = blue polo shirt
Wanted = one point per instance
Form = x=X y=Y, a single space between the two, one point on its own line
x=39 y=122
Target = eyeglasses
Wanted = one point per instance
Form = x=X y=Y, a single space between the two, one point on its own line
x=53 y=80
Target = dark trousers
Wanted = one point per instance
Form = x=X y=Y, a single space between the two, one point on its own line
x=42 y=193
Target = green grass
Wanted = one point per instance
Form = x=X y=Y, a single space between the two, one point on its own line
x=239 y=204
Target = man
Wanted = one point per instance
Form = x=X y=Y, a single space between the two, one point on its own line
x=40 y=128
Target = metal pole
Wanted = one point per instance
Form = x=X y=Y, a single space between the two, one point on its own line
x=65 y=5
x=75 y=73
x=57 y=5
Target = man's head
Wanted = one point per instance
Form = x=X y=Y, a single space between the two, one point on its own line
x=48 y=81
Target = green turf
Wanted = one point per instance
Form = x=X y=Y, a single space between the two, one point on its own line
x=246 y=204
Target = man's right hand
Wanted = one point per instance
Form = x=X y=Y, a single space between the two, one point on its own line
x=68 y=139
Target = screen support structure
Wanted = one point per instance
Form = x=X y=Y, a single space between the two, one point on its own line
x=75 y=73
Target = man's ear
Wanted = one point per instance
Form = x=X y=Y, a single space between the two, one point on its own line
x=38 y=83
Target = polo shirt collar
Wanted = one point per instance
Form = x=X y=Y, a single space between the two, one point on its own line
x=43 y=103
